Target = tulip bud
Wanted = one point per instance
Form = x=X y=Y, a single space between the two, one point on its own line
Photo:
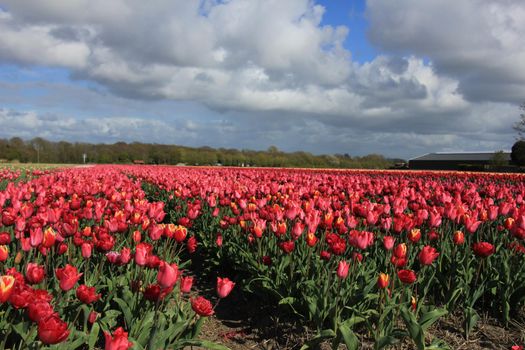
x=414 y=235
x=459 y=238
x=224 y=287
x=4 y=253
x=86 y=250
x=383 y=280
x=342 y=269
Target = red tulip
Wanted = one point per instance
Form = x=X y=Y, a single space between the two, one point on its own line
x=38 y=310
x=117 y=341
x=7 y=283
x=155 y=293
x=86 y=249
x=459 y=238
x=167 y=275
x=287 y=246
x=68 y=277
x=49 y=237
x=52 y=330
x=5 y=238
x=224 y=287
x=483 y=249
x=92 y=317
x=180 y=233
x=427 y=255
x=34 y=273
x=414 y=235
x=202 y=306
x=383 y=280
x=407 y=276
x=191 y=244
x=185 y=284
x=400 y=251
x=361 y=239
x=311 y=239
x=388 y=242
x=142 y=250
x=4 y=253
x=86 y=294
x=342 y=269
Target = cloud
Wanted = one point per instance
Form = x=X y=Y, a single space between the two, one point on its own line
x=267 y=72
x=478 y=42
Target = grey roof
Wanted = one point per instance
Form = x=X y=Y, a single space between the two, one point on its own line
x=466 y=156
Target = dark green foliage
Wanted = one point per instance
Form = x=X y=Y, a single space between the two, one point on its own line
x=39 y=150
x=518 y=153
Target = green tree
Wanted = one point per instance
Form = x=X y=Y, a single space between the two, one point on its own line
x=518 y=153
x=499 y=159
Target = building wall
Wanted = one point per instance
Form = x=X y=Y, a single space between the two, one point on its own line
x=446 y=165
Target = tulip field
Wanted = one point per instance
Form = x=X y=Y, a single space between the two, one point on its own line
x=103 y=257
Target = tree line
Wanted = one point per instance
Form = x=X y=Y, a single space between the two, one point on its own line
x=39 y=150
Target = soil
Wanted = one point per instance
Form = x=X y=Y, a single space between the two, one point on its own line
x=241 y=323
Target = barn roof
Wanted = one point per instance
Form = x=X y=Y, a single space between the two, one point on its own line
x=459 y=156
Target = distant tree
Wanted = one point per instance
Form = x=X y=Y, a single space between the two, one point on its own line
x=499 y=159
x=520 y=125
x=518 y=153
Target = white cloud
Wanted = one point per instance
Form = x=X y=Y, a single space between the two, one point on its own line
x=478 y=42
x=268 y=66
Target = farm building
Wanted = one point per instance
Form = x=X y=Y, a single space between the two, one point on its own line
x=455 y=161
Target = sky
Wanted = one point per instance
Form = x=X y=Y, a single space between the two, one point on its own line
x=399 y=78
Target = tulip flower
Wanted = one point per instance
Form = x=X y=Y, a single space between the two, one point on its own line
x=388 y=242
x=4 y=253
x=34 y=273
x=185 y=284
x=224 y=287
x=459 y=238
x=427 y=255
x=287 y=246
x=407 y=276
x=400 y=251
x=191 y=244
x=202 y=306
x=142 y=250
x=383 y=280
x=52 y=330
x=483 y=249
x=87 y=295
x=7 y=283
x=117 y=341
x=86 y=249
x=167 y=275
x=342 y=269
x=68 y=277
x=38 y=310
x=414 y=235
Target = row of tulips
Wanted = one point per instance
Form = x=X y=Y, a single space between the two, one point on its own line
x=358 y=251
x=86 y=261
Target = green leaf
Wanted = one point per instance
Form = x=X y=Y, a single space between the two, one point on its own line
x=93 y=336
x=351 y=322
x=80 y=339
x=414 y=329
x=428 y=318
x=288 y=301
x=349 y=337
x=390 y=339
x=471 y=318
x=128 y=316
